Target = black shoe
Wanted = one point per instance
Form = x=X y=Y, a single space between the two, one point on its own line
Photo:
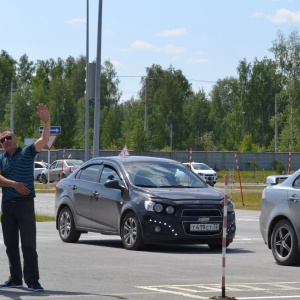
x=35 y=286
x=12 y=284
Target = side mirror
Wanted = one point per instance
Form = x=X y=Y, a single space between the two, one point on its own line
x=114 y=184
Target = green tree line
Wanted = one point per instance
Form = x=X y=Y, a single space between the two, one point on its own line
x=237 y=115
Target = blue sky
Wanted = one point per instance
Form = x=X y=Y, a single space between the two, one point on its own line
x=205 y=39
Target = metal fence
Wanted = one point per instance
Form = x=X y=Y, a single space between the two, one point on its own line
x=215 y=159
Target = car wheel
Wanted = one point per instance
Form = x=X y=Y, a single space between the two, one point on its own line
x=44 y=178
x=284 y=244
x=39 y=178
x=66 y=226
x=131 y=232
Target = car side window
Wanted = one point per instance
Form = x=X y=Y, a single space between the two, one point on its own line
x=109 y=173
x=59 y=164
x=297 y=182
x=89 y=173
x=53 y=165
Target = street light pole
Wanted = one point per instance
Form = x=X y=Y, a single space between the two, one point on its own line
x=146 y=107
x=97 y=86
x=87 y=107
x=243 y=124
x=276 y=125
x=12 y=108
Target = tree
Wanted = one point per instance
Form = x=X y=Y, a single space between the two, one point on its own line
x=196 y=110
x=7 y=76
x=226 y=113
x=167 y=91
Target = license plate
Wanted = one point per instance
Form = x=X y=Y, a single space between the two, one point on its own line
x=205 y=227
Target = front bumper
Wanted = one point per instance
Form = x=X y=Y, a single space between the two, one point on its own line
x=162 y=228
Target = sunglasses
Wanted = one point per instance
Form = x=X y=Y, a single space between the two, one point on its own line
x=8 y=138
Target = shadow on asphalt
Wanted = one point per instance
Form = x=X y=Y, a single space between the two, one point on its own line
x=163 y=248
x=19 y=294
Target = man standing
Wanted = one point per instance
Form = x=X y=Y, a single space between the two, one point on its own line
x=18 y=215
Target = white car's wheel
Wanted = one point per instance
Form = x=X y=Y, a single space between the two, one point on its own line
x=284 y=244
x=39 y=178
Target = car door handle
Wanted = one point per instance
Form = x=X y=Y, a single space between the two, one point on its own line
x=294 y=198
x=95 y=195
x=74 y=187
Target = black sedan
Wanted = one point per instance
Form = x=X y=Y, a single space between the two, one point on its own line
x=143 y=200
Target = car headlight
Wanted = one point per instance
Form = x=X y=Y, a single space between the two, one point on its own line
x=158 y=207
x=230 y=206
x=170 y=209
x=149 y=205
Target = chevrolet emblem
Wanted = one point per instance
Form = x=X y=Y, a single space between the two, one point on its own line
x=203 y=220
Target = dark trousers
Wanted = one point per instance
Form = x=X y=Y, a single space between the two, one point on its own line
x=18 y=219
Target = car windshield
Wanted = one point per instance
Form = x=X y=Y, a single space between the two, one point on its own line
x=73 y=163
x=201 y=167
x=153 y=174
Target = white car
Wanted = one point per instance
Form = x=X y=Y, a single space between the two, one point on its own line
x=279 y=218
x=203 y=170
x=39 y=167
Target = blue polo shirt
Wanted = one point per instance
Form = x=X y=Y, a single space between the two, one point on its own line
x=18 y=167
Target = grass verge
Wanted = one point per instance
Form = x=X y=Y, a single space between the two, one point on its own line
x=44 y=218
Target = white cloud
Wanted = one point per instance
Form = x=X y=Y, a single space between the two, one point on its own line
x=141 y=45
x=172 y=32
x=282 y=15
x=117 y=63
x=76 y=21
x=170 y=49
x=257 y=15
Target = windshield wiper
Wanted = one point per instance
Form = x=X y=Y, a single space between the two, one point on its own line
x=171 y=186
x=146 y=185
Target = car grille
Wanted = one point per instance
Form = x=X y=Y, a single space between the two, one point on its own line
x=201 y=213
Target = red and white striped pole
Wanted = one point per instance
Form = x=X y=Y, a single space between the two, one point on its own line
x=289 y=160
x=238 y=169
x=191 y=152
x=224 y=234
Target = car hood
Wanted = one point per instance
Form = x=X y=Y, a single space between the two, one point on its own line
x=186 y=194
x=207 y=172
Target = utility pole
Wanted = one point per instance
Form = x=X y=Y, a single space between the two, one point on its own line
x=243 y=124
x=98 y=86
x=146 y=108
x=87 y=100
x=171 y=137
x=276 y=125
x=12 y=108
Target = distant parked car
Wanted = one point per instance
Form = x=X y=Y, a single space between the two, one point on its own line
x=279 y=219
x=143 y=200
x=60 y=168
x=203 y=170
x=39 y=167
